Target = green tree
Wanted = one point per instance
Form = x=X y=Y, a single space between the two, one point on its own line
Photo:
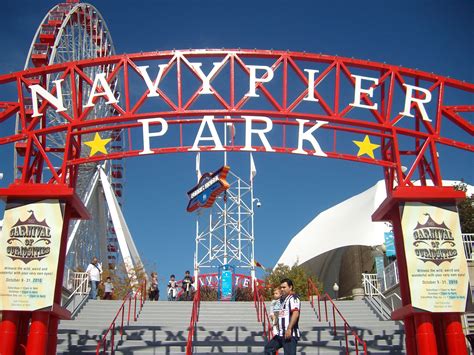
x=466 y=210
x=296 y=273
x=122 y=282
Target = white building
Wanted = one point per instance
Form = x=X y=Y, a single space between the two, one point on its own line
x=337 y=245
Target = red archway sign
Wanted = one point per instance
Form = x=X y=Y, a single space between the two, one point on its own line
x=268 y=101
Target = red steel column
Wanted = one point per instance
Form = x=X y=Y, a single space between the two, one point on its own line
x=454 y=336
x=38 y=336
x=410 y=335
x=9 y=332
x=422 y=328
x=44 y=324
x=425 y=334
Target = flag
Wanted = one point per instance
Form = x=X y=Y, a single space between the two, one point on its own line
x=198 y=165
x=257 y=264
x=253 y=169
x=231 y=132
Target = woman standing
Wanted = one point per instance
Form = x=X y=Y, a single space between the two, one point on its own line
x=154 y=293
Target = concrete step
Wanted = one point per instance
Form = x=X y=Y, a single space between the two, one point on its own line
x=162 y=328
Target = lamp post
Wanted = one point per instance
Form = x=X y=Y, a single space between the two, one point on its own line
x=256 y=201
x=335 y=288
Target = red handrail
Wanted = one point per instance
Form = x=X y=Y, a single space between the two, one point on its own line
x=313 y=290
x=194 y=320
x=262 y=314
x=103 y=343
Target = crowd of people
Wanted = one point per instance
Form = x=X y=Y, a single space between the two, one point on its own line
x=182 y=290
x=173 y=287
x=284 y=312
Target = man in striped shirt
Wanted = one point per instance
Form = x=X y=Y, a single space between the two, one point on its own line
x=288 y=333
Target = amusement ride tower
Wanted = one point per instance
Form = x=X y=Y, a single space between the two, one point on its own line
x=70 y=32
x=225 y=232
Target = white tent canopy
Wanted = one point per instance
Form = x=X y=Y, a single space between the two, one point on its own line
x=345 y=224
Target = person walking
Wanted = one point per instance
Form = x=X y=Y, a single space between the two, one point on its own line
x=94 y=273
x=288 y=330
x=187 y=286
x=154 y=293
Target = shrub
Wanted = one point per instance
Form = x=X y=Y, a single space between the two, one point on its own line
x=296 y=273
x=208 y=293
x=243 y=294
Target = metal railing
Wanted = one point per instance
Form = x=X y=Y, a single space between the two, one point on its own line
x=390 y=275
x=80 y=284
x=370 y=279
x=468 y=242
x=77 y=281
x=348 y=331
x=262 y=313
x=194 y=320
x=384 y=305
x=138 y=296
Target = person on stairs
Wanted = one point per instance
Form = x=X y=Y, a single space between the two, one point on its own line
x=94 y=272
x=288 y=330
x=187 y=286
x=108 y=289
x=154 y=293
x=172 y=288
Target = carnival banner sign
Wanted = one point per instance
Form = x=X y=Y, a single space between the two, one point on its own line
x=436 y=264
x=29 y=253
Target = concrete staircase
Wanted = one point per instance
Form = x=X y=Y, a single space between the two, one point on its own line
x=224 y=327
x=162 y=328
x=382 y=337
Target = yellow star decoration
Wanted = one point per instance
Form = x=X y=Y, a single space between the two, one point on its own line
x=366 y=147
x=97 y=145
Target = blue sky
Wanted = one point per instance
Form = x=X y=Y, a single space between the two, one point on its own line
x=433 y=36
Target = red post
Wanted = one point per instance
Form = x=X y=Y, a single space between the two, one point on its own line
x=53 y=335
x=38 y=337
x=345 y=335
x=454 y=336
x=421 y=328
x=135 y=309
x=410 y=335
x=112 y=340
x=326 y=308
x=42 y=336
x=425 y=334
x=319 y=308
x=9 y=332
x=123 y=313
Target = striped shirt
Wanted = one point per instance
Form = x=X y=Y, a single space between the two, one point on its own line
x=290 y=304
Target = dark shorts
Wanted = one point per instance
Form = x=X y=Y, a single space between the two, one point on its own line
x=278 y=342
